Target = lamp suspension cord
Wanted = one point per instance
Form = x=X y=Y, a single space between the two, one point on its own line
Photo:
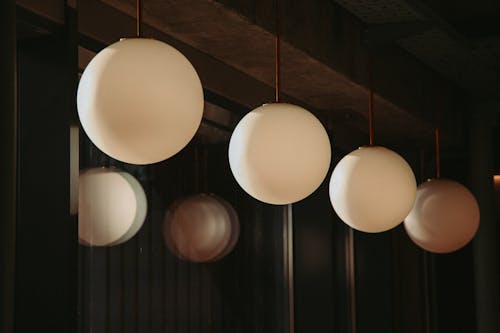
x=351 y=277
x=277 y=54
x=370 y=100
x=138 y=16
x=438 y=157
x=197 y=168
x=204 y=182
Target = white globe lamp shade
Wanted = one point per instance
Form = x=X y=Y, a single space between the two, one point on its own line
x=372 y=189
x=199 y=228
x=444 y=218
x=112 y=207
x=140 y=101
x=279 y=153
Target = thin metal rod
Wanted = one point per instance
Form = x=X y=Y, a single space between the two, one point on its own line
x=277 y=53
x=351 y=273
x=288 y=263
x=370 y=102
x=205 y=157
x=138 y=16
x=426 y=291
x=197 y=168
x=438 y=157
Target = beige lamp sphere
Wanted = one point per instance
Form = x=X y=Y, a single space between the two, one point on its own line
x=279 y=153
x=198 y=228
x=112 y=207
x=372 y=189
x=140 y=101
x=444 y=218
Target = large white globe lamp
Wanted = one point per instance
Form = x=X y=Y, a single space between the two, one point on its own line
x=200 y=228
x=279 y=153
x=112 y=207
x=140 y=101
x=372 y=189
x=444 y=218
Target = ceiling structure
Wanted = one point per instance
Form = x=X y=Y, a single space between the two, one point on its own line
x=459 y=39
x=427 y=57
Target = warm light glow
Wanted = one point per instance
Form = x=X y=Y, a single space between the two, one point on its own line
x=140 y=101
x=201 y=228
x=279 y=153
x=372 y=189
x=496 y=180
x=444 y=218
x=112 y=207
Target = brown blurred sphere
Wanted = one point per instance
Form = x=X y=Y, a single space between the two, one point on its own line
x=444 y=218
x=201 y=228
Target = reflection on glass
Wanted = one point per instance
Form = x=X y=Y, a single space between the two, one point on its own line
x=201 y=228
x=112 y=207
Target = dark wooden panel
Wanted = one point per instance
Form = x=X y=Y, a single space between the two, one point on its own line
x=409 y=316
x=46 y=260
x=454 y=290
x=98 y=284
x=157 y=292
x=115 y=290
x=315 y=262
x=8 y=166
x=374 y=281
x=129 y=276
x=144 y=275
x=452 y=275
x=158 y=274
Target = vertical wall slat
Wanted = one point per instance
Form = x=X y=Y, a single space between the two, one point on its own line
x=8 y=167
x=46 y=258
x=151 y=290
x=129 y=291
x=115 y=287
x=157 y=269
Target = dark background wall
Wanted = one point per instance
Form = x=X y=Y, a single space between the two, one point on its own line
x=141 y=287
x=46 y=260
x=8 y=167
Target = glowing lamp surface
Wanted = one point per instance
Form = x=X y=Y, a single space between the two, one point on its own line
x=372 y=189
x=444 y=218
x=279 y=153
x=140 y=101
x=112 y=207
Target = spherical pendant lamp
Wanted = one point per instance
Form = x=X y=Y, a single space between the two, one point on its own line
x=140 y=101
x=112 y=207
x=200 y=228
x=279 y=153
x=444 y=218
x=372 y=189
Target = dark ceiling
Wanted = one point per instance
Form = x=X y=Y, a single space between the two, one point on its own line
x=428 y=56
x=472 y=19
x=460 y=39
